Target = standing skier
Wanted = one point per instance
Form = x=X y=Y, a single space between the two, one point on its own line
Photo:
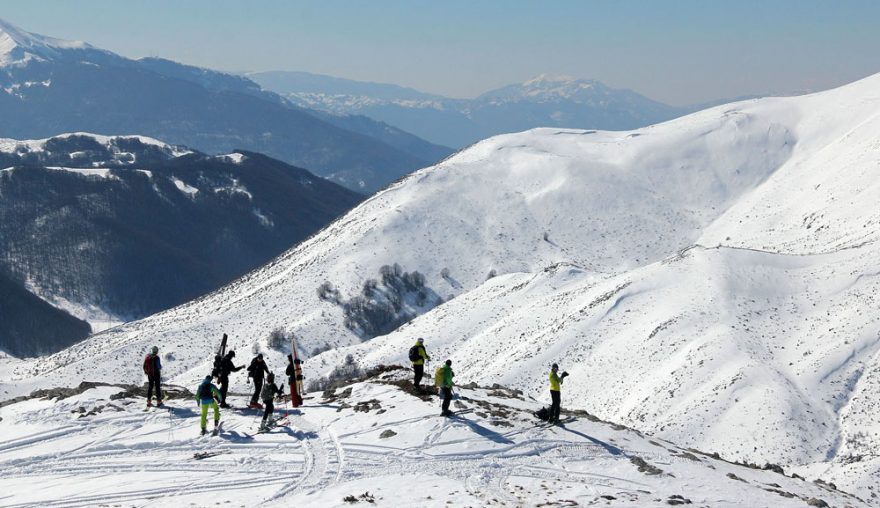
x=256 y=370
x=226 y=368
x=268 y=396
x=206 y=396
x=418 y=356
x=555 y=392
x=153 y=370
x=446 y=388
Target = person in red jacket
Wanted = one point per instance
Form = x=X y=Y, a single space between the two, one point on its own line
x=153 y=370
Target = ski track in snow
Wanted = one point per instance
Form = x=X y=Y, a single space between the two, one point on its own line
x=125 y=457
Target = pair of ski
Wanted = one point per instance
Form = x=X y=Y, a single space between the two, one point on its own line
x=269 y=426
x=205 y=455
x=214 y=433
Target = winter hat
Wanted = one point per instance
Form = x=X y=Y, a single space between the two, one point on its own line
x=448 y=362
x=555 y=366
x=155 y=350
x=260 y=356
x=271 y=377
x=208 y=378
x=231 y=354
x=420 y=340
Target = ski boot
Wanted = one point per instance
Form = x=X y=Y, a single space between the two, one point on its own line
x=255 y=405
x=150 y=402
x=204 y=431
x=159 y=403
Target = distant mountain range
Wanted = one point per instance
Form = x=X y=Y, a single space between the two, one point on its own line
x=545 y=101
x=106 y=229
x=50 y=87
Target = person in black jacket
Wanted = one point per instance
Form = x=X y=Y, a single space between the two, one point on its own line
x=256 y=370
x=268 y=395
x=226 y=368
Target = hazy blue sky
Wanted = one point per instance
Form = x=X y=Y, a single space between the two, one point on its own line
x=676 y=51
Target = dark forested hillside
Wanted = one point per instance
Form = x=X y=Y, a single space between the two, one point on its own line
x=31 y=326
x=135 y=238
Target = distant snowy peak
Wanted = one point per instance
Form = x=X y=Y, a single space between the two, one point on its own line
x=550 y=88
x=19 y=47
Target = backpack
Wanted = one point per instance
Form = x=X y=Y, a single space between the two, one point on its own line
x=149 y=365
x=414 y=354
x=438 y=377
x=205 y=391
x=543 y=414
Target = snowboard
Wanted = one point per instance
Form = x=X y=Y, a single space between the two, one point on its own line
x=562 y=421
x=460 y=412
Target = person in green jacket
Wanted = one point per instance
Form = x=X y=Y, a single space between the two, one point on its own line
x=446 y=388
x=421 y=356
x=207 y=396
x=555 y=392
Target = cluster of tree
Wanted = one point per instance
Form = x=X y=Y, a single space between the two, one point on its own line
x=338 y=377
x=385 y=304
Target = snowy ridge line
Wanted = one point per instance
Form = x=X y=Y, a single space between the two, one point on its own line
x=8 y=145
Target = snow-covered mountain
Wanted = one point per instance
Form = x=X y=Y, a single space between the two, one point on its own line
x=113 y=228
x=52 y=87
x=711 y=279
x=18 y=48
x=544 y=101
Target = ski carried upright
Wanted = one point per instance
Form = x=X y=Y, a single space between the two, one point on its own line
x=295 y=374
x=221 y=351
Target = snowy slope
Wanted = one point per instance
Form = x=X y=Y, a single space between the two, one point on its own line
x=371 y=441
x=510 y=204
x=761 y=344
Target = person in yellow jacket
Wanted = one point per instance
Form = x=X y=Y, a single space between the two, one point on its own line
x=555 y=392
x=446 y=388
x=418 y=356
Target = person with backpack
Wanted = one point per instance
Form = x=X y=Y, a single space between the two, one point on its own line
x=206 y=396
x=555 y=392
x=446 y=388
x=226 y=368
x=268 y=395
x=153 y=370
x=256 y=370
x=418 y=356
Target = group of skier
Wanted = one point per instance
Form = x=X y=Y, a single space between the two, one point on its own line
x=418 y=356
x=209 y=396
x=443 y=375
